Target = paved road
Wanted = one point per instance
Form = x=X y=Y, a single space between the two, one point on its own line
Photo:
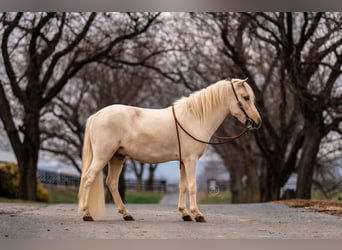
x=170 y=199
x=254 y=221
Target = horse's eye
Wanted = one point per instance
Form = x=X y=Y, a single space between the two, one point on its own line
x=246 y=98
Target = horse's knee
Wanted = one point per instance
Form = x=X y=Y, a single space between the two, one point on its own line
x=183 y=189
x=192 y=189
x=113 y=186
x=88 y=181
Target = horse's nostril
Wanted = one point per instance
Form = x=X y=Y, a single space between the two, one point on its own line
x=249 y=123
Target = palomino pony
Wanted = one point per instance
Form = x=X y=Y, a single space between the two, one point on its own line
x=153 y=136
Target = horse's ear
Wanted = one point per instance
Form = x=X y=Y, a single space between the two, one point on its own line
x=241 y=82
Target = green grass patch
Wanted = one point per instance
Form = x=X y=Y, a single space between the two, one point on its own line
x=56 y=196
x=215 y=198
x=143 y=197
x=63 y=195
x=317 y=195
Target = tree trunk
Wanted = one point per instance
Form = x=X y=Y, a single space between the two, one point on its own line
x=313 y=136
x=138 y=169
x=270 y=186
x=236 y=186
x=150 y=180
x=28 y=157
x=253 y=185
x=27 y=174
x=139 y=183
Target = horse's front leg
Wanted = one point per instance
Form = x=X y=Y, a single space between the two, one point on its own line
x=190 y=169
x=183 y=188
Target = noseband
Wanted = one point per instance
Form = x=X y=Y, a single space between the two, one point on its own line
x=222 y=139
x=248 y=119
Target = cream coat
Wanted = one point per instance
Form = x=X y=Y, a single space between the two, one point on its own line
x=149 y=135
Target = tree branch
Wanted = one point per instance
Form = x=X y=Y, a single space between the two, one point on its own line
x=35 y=58
x=9 y=125
x=7 y=62
x=75 y=65
x=305 y=36
x=61 y=54
x=65 y=154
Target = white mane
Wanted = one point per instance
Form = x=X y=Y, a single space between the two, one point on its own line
x=202 y=102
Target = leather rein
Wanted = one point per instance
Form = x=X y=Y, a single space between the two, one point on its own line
x=224 y=139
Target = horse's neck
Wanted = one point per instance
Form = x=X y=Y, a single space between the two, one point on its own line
x=209 y=125
x=215 y=119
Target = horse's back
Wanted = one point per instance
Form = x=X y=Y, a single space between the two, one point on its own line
x=118 y=114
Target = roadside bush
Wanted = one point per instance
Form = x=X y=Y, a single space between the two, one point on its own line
x=9 y=183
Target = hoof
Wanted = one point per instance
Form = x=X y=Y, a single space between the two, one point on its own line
x=187 y=218
x=200 y=219
x=88 y=218
x=128 y=218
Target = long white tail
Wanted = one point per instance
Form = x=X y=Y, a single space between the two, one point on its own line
x=96 y=202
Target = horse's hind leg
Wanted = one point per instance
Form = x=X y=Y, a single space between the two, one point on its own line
x=93 y=188
x=183 y=188
x=114 y=169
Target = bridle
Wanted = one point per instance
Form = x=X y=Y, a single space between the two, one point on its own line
x=223 y=139
x=248 y=119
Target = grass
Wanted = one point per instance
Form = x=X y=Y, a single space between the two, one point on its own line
x=143 y=197
x=216 y=198
x=317 y=195
x=70 y=196
x=63 y=195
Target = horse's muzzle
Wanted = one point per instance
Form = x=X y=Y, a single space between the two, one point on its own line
x=250 y=124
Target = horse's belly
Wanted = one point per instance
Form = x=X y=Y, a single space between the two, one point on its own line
x=148 y=153
x=157 y=149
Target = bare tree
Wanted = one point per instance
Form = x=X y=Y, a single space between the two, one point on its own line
x=292 y=61
x=238 y=55
x=41 y=53
x=328 y=169
x=138 y=74
x=310 y=50
x=150 y=180
x=62 y=123
x=138 y=169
